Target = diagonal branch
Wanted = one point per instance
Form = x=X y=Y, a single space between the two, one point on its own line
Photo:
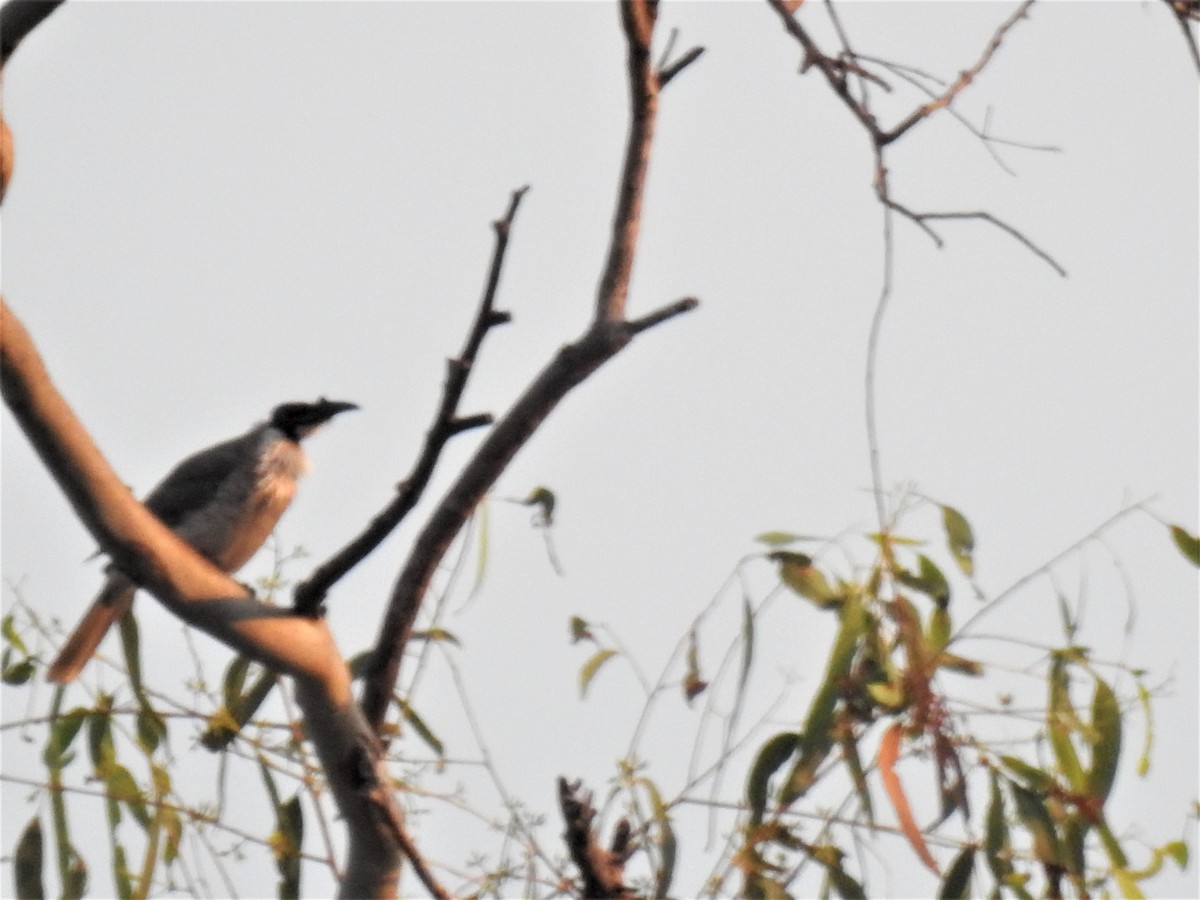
x=309 y=595
x=202 y=594
x=608 y=333
x=925 y=110
x=17 y=19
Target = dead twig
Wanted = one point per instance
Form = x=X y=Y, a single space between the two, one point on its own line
x=446 y=424
x=609 y=332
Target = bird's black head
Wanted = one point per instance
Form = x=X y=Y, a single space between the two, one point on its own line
x=299 y=420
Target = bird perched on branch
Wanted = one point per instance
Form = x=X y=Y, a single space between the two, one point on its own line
x=224 y=501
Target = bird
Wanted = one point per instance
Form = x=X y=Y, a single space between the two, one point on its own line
x=224 y=501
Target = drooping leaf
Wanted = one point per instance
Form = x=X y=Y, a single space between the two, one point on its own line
x=996 y=846
x=62 y=734
x=9 y=630
x=818 y=724
x=889 y=753
x=151 y=727
x=957 y=883
x=28 y=862
x=423 y=731
x=482 y=518
x=1143 y=766
x=747 y=646
x=960 y=539
x=1188 y=544
x=771 y=756
x=939 y=630
x=173 y=830
x=100 y=739
x=1106 y=748
x=1061 y=723
x=589 y=669
x=235 y=680
x=693 y=684
x=287 y=842
x=667 y=847
x=858 y=775
x=131 y=646
x=1031 y=810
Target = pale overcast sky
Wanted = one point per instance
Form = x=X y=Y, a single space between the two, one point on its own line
x=219 y=207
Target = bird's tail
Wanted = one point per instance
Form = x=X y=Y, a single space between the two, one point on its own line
x=113 y=602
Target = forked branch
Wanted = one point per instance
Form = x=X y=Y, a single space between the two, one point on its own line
x=609 y=332
x=446 y=424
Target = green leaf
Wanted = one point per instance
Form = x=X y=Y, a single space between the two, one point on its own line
x=591 y=667
x=481 y=546
x=289 y=838
x=957 y=882
x=1143 y=766
x=173 y=828
x=667 y=846
x=543 y=498
x=797 y=571
x=62 y=734
x=771 y=756
x=131 y=645
x=1037 y=779
x=818 y=725
x=693 y=684
x=747 y=646
x=9 y=630
x=437 y=634
x=28 y=860
x=151 y=728
x=1031 y=810
x=235 y=680
x=959 y=538
x=783 y=538
x=939 y=630
x=995 y=838
x=857 y=774
x=1106 y=748
x=928 y=579
x=1061 y=722
x=18 y=673
x=100 y=739
x=423 y=731
x=891 y=695
x=580 y=630
x=1188 y=544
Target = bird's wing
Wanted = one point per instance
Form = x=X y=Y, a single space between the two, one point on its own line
x=192 y=483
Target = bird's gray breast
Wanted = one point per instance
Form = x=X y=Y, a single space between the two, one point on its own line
x=245 y=506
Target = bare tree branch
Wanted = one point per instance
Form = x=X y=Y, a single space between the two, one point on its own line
x=194 y=589
x=607 y=335
x=447 y=423
x=964 y=79
x=17 y=19
x=1186 y=11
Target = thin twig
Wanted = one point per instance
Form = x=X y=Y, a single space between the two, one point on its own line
x=1009 y=591
x=964 y=79
x=608 y=333
x=309 y=595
